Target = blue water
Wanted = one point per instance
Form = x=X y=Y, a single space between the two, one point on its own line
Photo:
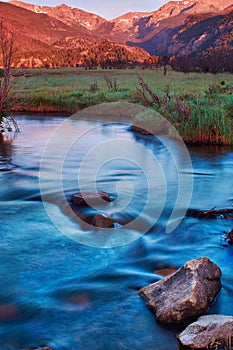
x=76 y=288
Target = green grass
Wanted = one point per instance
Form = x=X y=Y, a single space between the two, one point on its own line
x=206 y=98
x=67 y=90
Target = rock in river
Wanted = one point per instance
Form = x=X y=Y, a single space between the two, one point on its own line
x=185 y=294
x=9 y=312
x=208 y=330
x=90 y=198
x=102 y=221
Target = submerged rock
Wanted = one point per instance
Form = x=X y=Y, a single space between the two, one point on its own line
x=185 y=294
x=90 y=198
x=102 y=221
x=226 y=213
x=9 y=312
x=210 y=330
x=139 y=129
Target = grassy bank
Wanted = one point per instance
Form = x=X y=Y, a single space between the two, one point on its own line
x=200 y=105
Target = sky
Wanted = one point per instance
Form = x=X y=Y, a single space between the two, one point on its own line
x=106 y=8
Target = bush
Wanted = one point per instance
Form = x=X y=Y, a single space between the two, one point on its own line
x=197 y=120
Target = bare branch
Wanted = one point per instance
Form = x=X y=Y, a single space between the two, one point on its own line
x=7 y=51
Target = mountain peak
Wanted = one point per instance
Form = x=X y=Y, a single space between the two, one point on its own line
x=62 y=6
x=69 y=15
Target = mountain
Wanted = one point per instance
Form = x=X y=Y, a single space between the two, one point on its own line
x=200 y=33
x=140 y=27
x=179 y=28
x=38 y=26
x=196 y=33
x=211 y=40
x=43 y=40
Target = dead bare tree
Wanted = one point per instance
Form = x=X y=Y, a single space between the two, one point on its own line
x=7 y=51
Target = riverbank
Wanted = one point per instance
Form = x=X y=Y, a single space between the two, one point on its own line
x=199 y=105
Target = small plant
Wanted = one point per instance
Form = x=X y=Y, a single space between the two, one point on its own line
x=177 y=109
x=229 y=109
x=215 y=89
x=94 y=87
x=174 y=107
x=214 y=345
x=148 y=97
x=221 y=88
x=229 y=340
x=111 y=83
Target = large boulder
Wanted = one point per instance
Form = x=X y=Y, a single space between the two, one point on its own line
x=90 y=198
x=210 y=330
x=185 y=294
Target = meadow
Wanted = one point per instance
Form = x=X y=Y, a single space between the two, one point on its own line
x=200 y=105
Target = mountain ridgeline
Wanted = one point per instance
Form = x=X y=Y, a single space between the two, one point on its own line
x=189 y=34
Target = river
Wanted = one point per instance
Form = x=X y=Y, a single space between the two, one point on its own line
x=75 y=288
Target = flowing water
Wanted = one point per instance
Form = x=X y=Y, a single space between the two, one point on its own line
x=71 y=287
